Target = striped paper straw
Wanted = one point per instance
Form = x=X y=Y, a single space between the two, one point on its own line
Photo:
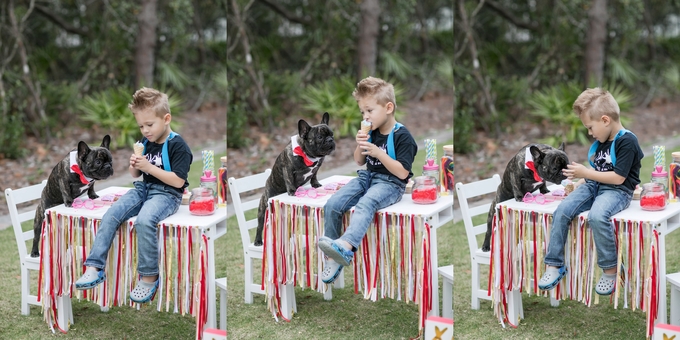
x=659 y=155
x=208 y=156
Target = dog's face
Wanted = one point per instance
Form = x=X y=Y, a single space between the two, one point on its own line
x=317 y=140
x=96 y=162
x=550 y=162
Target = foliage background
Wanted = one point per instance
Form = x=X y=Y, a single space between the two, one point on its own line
x=77 y=51
x=305 y=52
x=532 y=60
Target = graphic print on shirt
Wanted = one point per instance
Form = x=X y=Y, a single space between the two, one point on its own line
x=374 y=161
x=603 y=160
x=155 y=160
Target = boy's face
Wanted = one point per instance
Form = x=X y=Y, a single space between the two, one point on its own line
x=154 y=128
x=598 y=128
x=373 y=112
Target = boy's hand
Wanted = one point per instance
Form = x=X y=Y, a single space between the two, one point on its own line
x=361 y=137
x=370 y=149
x=575 y=170
x=139 y=162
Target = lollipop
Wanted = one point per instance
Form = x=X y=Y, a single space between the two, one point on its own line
x=139 y=148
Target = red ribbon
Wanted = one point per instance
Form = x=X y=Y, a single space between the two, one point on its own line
x=298 y=151
x=77 y=170
x=532 y=167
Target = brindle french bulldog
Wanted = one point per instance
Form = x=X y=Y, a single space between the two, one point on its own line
x=518 y=179
x=297 y=165
x=70 y=178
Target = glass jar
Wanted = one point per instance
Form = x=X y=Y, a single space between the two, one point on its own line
x=446 y=174
x=222 y=183
x=209 y=181
x=202 y=201
x=425 y=190
x=674 y=180
x=653 y=197
x=432 y=169
x=660 y=176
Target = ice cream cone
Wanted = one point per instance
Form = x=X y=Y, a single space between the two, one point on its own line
x=139 y=149
x=365 y=127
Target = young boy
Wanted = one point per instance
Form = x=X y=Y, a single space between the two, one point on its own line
x=388 y=152
x=605 y=190
x=164 y=167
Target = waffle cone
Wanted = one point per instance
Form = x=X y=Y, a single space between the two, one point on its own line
x=139 y=150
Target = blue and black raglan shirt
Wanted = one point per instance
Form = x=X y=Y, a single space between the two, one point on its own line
x=625 y=161
x=405 y=149
x=180 y=159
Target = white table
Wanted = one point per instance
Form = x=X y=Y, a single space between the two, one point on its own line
x=633 y=221
x=67 y=237
x=287 y=262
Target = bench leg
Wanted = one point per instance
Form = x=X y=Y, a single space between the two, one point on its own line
x=223 y=309
x=447 y=300
x=675 y=306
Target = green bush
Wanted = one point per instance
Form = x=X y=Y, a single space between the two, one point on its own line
x=463 y=130
x=335 y=97
x=555 y=105
x=109 y=111
x=12 y=136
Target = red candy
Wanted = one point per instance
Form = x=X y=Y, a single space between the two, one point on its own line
x=653 y=202
x=424 y=195
x=202 y=206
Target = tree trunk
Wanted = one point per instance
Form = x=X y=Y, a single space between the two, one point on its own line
x=596 y=37
x=368 y=37
x=146 y=43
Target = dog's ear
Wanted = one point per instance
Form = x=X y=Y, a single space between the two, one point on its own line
x=106 y=142
x=303 y=128
x=562 y=146
x=324 y=119
x=83 y=150
x=536 y=153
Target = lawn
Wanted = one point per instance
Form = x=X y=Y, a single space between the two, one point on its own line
x=90 y=323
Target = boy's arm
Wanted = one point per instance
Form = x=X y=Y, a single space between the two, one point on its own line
x=359 y=157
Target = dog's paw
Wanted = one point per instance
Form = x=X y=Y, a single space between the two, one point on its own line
x=93 y=197
x=486 y=248
x=35 y=254
x=68 y=204
x=316 y=184
x=291 y=193
x=257 y=243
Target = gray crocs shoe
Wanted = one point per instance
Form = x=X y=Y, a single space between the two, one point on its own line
x=551 y=278
x=331 y=271
x=144 y=291
x=337 y=252
x=90 y=279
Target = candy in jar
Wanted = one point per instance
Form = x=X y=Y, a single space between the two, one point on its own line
x=674 y=173
x=446 y=174
x=222 y=183
x=202 y=201
x=653 y=197
x=425 y=190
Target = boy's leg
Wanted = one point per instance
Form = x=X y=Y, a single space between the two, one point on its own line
x=159 y=205
x=608 y=202
x=577 y=202
x=341 y=201
x=127 y=206
x=382 y=193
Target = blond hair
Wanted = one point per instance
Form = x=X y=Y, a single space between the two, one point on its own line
x=148 y=98
x=596 y=103
x=378 y=89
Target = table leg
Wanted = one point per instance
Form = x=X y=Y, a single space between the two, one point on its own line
x=211 y=322
x=661 y=314
x=433 y=272
x=64 y=312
